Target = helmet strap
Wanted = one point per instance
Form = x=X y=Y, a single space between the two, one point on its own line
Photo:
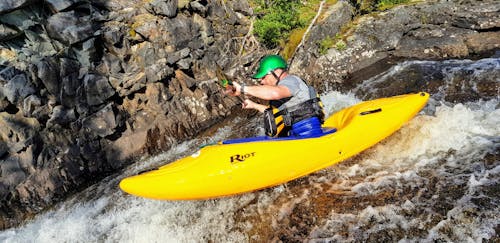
x=278 y=78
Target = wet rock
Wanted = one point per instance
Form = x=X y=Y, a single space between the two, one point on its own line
x=129 y=146
x=102 y=123
x=70 y=28
x=11 y=175
x=434 y=42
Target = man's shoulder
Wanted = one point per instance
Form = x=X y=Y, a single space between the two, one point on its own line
x=292 y=78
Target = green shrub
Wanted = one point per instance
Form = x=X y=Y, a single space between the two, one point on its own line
x=340 y=45
x=325 y=44
x=278 y=19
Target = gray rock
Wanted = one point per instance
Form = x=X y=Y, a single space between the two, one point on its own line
x=60 y=5
x=11 y=174
x=3 y=149
x=70 y=28
x=97 y=89
x=102 y=123
x=242 y=7
x=9 y=5
x=111 y=64
x=164 y=7
x=128 y=83
x=198 y=8
x=70 y=84
x=87 y=54
x=17 y=88
x=30 y=104
x=158 y=72
x=18 y=18
x=48 y=73
x=181 y=31
x=114 y=35
x=178 y=55
x=17 y=131
x=206 y=30
x=128 y=146
x=61 y=115
x=7 y=33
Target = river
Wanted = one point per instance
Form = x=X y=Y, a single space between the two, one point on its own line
x=435 y=180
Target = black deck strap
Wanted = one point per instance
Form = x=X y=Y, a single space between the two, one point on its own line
x=370 y=111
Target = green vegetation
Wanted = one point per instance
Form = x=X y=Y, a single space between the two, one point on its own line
x=368 y=6
x=325 y=44
x=340 y=45
x=329 y=42
x=283 y=23
x=386 y=4
x=279 y=18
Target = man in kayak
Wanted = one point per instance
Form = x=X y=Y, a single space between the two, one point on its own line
x=294 y=106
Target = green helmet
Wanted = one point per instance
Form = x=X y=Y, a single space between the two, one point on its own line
x=268 y=64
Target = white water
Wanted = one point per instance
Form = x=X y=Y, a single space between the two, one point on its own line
x=434 y=170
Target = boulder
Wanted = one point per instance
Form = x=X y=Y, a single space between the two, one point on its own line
x=7 y=33
x=10 y=5
x=17 y=88
x=69 y=27
x=17 y=131
x=60 y=5
x=164 y=7
x=48 y=73
x=70 y=83
x=61 y=115
x=97 y=89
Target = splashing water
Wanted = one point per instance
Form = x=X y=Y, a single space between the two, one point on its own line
x=436 y=179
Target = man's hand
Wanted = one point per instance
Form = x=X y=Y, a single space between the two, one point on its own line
x=233 y=90
x=248 y=104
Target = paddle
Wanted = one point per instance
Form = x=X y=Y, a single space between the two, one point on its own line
x=224 y=81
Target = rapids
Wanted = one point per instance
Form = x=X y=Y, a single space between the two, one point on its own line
x=436 y=179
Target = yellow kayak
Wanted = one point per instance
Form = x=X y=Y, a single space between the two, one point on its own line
x=233 y=168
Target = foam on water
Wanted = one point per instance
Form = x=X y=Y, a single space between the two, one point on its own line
x=446 y=150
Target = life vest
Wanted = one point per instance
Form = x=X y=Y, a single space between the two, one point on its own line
x=278 y=118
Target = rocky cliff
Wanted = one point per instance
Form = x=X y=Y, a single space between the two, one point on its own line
x=362 y=46
x=86 y=87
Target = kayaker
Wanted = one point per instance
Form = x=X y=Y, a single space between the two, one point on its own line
x=294 y=106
